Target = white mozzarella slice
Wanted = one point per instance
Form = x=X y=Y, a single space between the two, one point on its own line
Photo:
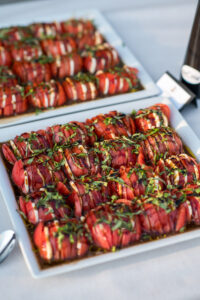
x=93 y=65
x=93 y=90
x=49 y=30
x=52 y=97
x=165 y=123
x=28 y=145
x=69 y=48
x=41 y=31
x=39 y=52
x=115 y=55
x=74 y=92
x=80 y=27
x=18 y=36
x=35 y=73
x=121 y=84
x=119 y=189
x=84 y=90
x=14 y=101
x=74 y=187
x=36 y=100
x=26 y=184
x=157 y=119
x=148 y=123
x=98 y=39
x=58 y=61
x=48 y=244
x=35 y=212
x=196 y=172
x=72 y=67
x=4 y=100
x=133 y=223
x=67 y=165
x=62 y=48
x=3 y=55
x=68 y=169
x=43 y=179
x=189 y=208
x=84 y=151
x=176 y=177
x=176 y=172
x=58 y=26
x=79 y=246
x=46 y=104
x=106 y=87
x=15 y=148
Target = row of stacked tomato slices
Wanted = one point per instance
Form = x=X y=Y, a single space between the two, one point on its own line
x=103 y=184
x=46 y=65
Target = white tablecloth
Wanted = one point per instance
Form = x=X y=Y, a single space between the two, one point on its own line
x=157 y=32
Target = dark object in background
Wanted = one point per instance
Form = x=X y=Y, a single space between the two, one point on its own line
x=190 y=72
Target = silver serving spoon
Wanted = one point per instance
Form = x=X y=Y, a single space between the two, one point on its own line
x=7 y=243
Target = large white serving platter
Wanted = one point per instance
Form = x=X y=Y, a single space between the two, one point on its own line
x=177 y=122
x=46 y=11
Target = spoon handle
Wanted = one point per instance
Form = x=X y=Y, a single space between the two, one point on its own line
x=7 y=243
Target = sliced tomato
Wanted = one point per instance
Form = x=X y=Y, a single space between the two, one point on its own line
x=57 y=47
x=32 y=71
x=62 y=188
x=5 y=57
x=67 y=65
x=22 y=51
x=38 y=235
x=9 y=155
x=18 y=173
x=76 y=26
x=164 y=107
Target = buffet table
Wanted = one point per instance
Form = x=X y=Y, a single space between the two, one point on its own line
x=157 y=31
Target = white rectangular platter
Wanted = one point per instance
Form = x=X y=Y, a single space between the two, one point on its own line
x=26 y=13
x=177 y=122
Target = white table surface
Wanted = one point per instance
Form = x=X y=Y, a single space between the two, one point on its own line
x=157 y=31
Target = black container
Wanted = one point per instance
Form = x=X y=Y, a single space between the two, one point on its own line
x=190 y=71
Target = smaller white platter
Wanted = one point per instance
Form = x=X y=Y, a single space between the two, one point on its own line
x=47 y=11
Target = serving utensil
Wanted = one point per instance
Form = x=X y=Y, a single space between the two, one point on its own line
x=7 y=243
